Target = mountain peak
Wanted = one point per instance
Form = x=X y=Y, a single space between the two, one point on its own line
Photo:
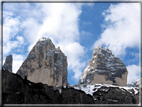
x=100 y=46
x=45 y=64
x=104 y=51
x=105 y=68
x=44 y=39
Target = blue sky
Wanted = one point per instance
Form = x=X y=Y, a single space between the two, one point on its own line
x=77 y=29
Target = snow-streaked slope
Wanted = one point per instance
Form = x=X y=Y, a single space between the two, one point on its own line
x=90 y=89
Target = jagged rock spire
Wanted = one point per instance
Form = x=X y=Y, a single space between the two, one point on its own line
x=8 y=63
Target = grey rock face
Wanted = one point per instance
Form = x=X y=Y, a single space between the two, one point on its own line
x=8 y=63
x=45 y=64
x=105 y=68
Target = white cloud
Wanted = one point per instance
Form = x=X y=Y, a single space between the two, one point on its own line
x=61 y=22
x=10 y=27
x=17 y=62
x=74 y=50
x=30 y=27
x=122 y=28
x=133 y=73
x=9 y=45
x=20 y=39
x=75 y=53
x=10 y=30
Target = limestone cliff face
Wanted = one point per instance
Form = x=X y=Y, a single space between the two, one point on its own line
x=104 y=68
x=45 y=64
x=8 y=63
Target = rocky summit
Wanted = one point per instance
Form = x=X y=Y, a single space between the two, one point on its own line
x=8 y=63
x=104 y=68
x=45 y=64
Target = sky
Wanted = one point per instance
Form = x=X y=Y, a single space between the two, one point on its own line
x=78 y=28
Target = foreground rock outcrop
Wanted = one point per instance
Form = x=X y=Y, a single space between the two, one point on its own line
x=104 y=68
x=16 y=90
x=8 y=63
x=45 y=64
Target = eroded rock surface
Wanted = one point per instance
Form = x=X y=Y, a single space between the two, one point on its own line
x=45 y=64
x=104 y=68
x=8 y=63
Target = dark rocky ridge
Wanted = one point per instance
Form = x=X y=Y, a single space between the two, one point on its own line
x=16 y=90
